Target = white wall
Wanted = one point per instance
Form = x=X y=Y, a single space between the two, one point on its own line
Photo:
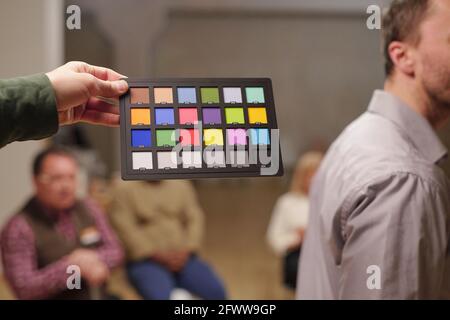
x=330 y=6
x=32 y=42
x=324 y=67
x=308 y=29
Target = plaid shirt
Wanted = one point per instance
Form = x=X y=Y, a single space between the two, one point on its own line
x=20 y=257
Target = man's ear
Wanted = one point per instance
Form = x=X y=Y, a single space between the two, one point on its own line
x=402 y=56
x=35 y=182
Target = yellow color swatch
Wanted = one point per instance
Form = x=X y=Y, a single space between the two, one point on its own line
x=257 y=115
x=213 y=137
x=140 y=116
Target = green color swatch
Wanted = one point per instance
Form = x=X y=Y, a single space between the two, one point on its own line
x=210 y=95
x=165 y=138
x=234 y=115
x=255 y=95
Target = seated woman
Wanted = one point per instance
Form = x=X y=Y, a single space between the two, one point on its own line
x=290 y=217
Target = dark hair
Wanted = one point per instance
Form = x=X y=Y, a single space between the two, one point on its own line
x=402 y=22
x=54 y=150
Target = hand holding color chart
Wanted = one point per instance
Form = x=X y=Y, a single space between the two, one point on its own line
x=199 y=128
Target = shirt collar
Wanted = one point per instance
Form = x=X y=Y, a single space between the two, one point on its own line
x=418 y=129
x=51 y=214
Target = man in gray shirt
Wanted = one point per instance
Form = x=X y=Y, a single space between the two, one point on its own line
x=380 y=203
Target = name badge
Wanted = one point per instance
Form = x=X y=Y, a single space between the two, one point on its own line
x=89 y=236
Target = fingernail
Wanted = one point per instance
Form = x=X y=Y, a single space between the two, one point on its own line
x=122 y=85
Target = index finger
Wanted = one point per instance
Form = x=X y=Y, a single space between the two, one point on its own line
x=103 y=73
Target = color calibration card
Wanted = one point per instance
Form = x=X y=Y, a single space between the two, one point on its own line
x=199 y=128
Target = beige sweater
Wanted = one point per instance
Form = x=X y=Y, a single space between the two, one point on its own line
x=156 y=217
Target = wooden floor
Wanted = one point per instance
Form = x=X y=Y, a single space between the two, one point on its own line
x=237 y=213
x=5 y=293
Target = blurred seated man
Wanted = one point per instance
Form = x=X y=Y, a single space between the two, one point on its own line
x=53 y=231
x=161 y=224
x=289 y=220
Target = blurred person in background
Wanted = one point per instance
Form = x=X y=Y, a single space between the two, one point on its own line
x=290 y=217
x=161 y=225
x=55 y=230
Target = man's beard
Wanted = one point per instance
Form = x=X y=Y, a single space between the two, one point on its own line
x=437 y=90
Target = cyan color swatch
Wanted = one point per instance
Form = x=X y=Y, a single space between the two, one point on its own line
x=259 y=136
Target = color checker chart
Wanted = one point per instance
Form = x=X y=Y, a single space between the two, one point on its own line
x=199 y=128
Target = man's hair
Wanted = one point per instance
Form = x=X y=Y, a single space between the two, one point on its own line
x=54 y=150
x=402 y=22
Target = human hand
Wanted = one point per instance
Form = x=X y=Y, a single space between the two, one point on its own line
x=77 y=86
x=173 y=260
x=301 y=233
x=298 y=240
x=92 y=268
x=179 y=259
x=163 y=258
x=295 y=245
x=97 y=275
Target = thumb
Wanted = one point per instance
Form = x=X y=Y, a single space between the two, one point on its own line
x=107 y=88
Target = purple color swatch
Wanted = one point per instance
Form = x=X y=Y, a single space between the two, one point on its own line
x=211 y=116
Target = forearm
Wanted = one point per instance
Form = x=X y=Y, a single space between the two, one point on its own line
x=38 y=283
x=111 y=254
x=27 y=109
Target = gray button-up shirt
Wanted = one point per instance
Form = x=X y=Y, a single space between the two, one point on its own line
x=379 y=212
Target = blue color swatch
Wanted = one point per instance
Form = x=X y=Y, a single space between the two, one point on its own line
x=141 y=138
x=187 y=95
x=164 y=116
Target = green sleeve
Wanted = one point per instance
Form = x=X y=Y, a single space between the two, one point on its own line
x=27 y=109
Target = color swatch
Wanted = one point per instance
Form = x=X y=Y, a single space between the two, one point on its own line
x=198 y=128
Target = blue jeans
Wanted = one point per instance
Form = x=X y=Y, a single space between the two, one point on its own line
x=155 y=282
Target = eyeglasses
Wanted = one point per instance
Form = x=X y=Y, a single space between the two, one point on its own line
x=57 y=179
